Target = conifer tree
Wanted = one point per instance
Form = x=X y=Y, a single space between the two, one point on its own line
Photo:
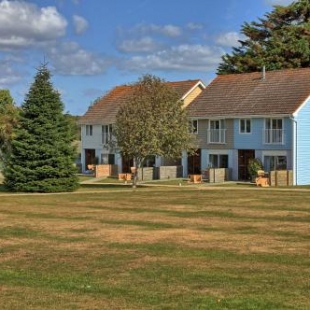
x=42 y=154
x=281 y=40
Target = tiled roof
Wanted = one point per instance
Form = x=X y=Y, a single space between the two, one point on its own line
x=280 y=92
x=104 y=110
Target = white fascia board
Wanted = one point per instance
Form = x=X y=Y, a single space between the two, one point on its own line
x=197 y=84
x=301 y=106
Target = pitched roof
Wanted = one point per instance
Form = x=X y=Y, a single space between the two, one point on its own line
x=280 y=92
x=105 y=109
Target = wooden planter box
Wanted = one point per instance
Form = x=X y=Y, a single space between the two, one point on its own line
x=125 y=176
x=281 y=178
x=195 y=178
x=217 y=175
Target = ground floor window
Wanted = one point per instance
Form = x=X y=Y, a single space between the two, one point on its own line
x=218 y=161
x=107 y=159
x=272 y=163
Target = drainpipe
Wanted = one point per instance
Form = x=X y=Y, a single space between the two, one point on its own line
x=292 y=118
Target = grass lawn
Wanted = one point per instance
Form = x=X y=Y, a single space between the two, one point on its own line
x=156 y=248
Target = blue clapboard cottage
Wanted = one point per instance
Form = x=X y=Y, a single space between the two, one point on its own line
x=264 y=115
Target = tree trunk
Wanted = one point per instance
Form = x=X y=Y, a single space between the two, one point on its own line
x=134 y=171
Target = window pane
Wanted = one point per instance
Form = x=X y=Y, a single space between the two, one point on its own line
x=223 y=161
x=248 y=125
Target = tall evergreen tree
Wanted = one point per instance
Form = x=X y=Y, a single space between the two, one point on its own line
x=42 y=154
x=280 y=40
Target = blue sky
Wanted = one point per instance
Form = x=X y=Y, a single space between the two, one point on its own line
x=93 y=45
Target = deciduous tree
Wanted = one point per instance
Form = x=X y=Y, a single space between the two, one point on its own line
x=8 y=119
x=152 y=122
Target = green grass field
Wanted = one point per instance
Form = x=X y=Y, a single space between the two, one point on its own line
x=156 y=248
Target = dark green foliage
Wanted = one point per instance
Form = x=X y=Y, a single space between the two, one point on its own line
x=279 y=41
x=42 y=154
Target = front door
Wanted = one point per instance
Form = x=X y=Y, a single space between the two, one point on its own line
x=243 y=159
x=90 y=157
x=193 y=162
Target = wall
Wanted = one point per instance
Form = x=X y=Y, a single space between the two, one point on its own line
x=302 y=145
x=105 y=170
x=169 y=172
x=203 y=127
x=190 y=97
x=254 y=140
x=281 y=178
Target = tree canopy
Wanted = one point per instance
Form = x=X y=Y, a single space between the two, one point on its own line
x=152 y=122
x=280 y=40
x=42 y=154
x=8 y=119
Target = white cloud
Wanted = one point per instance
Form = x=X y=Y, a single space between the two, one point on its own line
x=194 y=26
x=151 y=29
x=229 y=39
x=182 y=57
x=145 y=44
x=23 y=24
x=70 y=59
x=80 y=24
x=9 y=75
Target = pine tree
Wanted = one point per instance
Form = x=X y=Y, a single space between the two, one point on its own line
x=280 y=40
x=42 y=153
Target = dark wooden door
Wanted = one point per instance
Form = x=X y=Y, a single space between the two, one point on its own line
x=194 y=163
x=243 y=159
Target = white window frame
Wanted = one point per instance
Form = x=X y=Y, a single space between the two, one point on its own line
x=272 y=133
x=89 y=130
x=243 y=128
x=107 y=132
x=217 y=135
x=194 y=124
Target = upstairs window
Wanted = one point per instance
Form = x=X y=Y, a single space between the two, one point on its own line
x=194 y=126
x=274 y=132
x=245 y=126
x=89 y=130
x=106 y=133
x=217 y=131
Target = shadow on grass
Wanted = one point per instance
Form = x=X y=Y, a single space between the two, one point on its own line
x=107 y=186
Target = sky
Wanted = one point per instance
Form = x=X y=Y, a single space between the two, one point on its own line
x=91 y=46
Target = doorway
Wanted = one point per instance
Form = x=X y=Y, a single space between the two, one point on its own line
x=90 y=157
x=243 y=159
x=193 y=162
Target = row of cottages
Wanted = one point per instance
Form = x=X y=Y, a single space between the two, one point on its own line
x=255 y=115
x=237 y=117
x=96 y=126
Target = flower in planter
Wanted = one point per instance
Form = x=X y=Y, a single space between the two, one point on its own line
x=254 y=165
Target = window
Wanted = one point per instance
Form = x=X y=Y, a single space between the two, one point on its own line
x=272 y=163
x=245 y=126
x=106 y=133
x=194 y=126
x=89 y=130
x=108 y=159
x=274 y=132
x=217 y=131
x=218 y=161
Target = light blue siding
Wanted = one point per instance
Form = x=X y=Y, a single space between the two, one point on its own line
x=254 y=140
x=302 y=145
